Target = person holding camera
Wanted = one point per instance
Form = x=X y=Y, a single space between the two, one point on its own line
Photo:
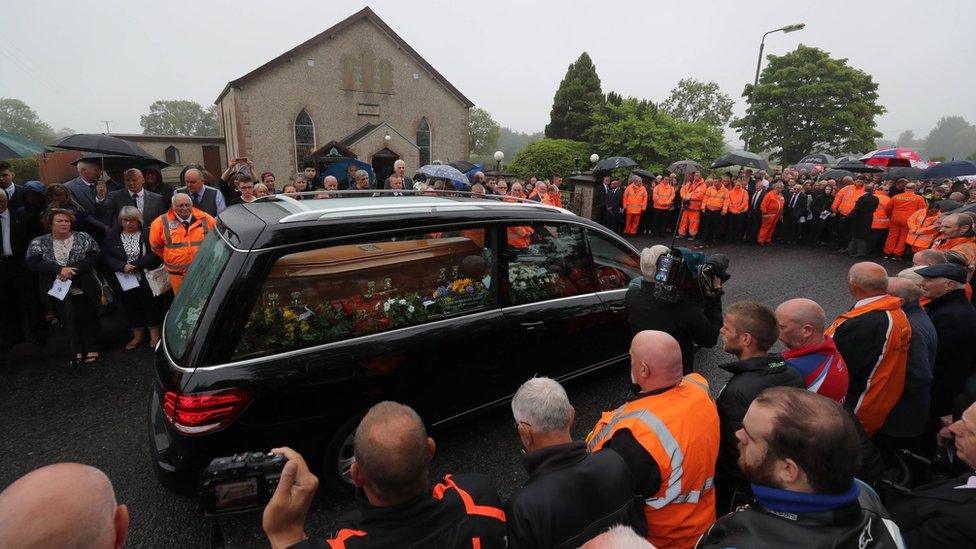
x=398 y=507
x=692 y=314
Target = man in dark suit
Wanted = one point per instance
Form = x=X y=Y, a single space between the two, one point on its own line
x=795 y=215
x=860 y=220
x=755 y=211
x=600 y=201
x=615 y=206
x=134 y=194
x=15 y=193
x=18 y=286
x=85 y=190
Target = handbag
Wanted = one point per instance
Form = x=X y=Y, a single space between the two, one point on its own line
x=158 y=280
x=107 y=295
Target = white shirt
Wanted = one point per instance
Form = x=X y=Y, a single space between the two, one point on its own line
x=867 y=300
x=11 y=190
x=5 y=225
x=138 y=198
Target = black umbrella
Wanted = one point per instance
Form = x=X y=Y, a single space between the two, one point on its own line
x=849 y=158
x=105 y=144
x=645 y=175
x=613 y=163
x=858 y=167
x=949 y=170
x=907 y=172
x=805 y=167
x=111 y=160
x=683 y=166
x=463 y=166
x=835 y=173
x=817 y=158
x=745 y=159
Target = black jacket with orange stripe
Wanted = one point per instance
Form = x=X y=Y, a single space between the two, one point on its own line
x=462 y=511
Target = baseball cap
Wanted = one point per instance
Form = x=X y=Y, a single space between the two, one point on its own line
x=945 y=270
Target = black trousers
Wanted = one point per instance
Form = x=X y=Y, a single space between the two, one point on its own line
x=141 y=308
x=817 y=227
x=711 y=225
x=755 y=222
x=615 y=221
x=736 y=225
x=663 y=222
x=79 y=315
x=646 y=221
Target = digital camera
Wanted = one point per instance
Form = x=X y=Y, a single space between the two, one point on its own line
x=682 y=273
x=239 y=483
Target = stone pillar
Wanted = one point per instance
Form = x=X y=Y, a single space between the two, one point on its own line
x=585 y=187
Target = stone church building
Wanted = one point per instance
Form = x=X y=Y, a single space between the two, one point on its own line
x=357 y=88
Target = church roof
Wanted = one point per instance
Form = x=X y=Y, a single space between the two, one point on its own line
x=365 y=13
x=365 y=130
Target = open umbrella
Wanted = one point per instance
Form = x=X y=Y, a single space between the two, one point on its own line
x=339 y=168
x=105 y=144
x=899 y=172
x=848 y=158
x=817 y=158
x=15 y=146
x=745 y=159
x=858 y=167
x=809 y=168
x=949 y=170
x=464 y=166
x=835 y=173
x=894 y=157
x=683 y=166
x=645 y=175
x=442 y=171
x=111 y=160
x=614 y=162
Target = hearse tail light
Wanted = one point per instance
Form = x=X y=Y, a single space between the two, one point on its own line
x=200 y=413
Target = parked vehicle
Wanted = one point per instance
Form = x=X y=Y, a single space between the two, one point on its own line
x=297 y=316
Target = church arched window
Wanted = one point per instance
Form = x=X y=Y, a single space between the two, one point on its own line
x=423 y=141
x=304 y=138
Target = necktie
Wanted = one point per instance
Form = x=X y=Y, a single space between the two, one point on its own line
x=795 y=198
x=196 y=199
x=755 y=199
x=137 y=202
x=91 y=189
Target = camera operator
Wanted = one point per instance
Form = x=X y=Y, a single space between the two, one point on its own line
x=941 y=514
x=691 y=311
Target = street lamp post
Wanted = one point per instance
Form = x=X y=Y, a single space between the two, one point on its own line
x=499 y=156
x=762 y=44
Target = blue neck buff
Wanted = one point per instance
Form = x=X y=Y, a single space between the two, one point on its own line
x=787 y=501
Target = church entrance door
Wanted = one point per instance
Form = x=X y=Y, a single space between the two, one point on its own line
x=382 y=162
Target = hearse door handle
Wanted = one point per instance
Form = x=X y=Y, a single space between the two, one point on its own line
x=532 y=325
x=617 y=308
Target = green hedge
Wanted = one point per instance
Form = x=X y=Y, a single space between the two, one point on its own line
x=25 y=168
x=548 y=157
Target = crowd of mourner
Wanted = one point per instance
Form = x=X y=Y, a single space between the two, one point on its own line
x=861 y=433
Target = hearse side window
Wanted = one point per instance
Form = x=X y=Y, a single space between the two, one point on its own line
x=546 y=262
x=184 y=315
x=348 y=290
x=616 y=266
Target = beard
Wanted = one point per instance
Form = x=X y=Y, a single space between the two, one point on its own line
x=758 y=473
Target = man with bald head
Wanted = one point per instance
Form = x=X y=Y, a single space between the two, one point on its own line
x=135 y=194
x=907 y=419
x=668 y=434
x=873 y=337
x=956 y=233
x=205 y=198
x=62 y=505
x=398 y=507
x=808 y=351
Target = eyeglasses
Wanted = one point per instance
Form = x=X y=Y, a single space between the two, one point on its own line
x=527 y=424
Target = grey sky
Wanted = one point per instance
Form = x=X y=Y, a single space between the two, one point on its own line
x=80 y=62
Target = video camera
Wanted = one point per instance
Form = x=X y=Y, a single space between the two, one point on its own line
x=682 y=273
x=239 y=483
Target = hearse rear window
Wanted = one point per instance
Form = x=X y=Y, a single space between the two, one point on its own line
x=342 y=291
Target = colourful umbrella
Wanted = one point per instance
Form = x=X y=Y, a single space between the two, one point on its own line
x=894 y=157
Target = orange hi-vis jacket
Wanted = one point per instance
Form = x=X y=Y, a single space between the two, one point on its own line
x=881 y=219
x=875 y=348
x=663 y=196
x=715 y=198
x=772 y=205
x=635 y=198
x=520 y=236
x=845 y=198
x=922 y=229
x=176 y=245
x=694 y=193
x=738 y=201
x=679 y=428
x=966 y=245
x=903 y=205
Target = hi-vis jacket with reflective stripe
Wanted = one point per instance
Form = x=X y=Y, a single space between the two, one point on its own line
x=679 y=428
x=175 y=244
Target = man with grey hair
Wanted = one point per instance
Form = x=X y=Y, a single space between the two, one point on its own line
x=618 y=537
x=90 y=193
x=362 y=180
x=400 y=169
x=204 y=198
x=571 y=495
x=62 y=505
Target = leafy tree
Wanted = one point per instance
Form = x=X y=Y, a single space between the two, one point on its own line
x=952 y=137
x=180 y=117
x=550 y=157
x=808 y=101
x=652 y=137
x=696 y=101
x=578 y=97
x=907 y=139
x=18 y=118
x=971 y=157
x=482 y=133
